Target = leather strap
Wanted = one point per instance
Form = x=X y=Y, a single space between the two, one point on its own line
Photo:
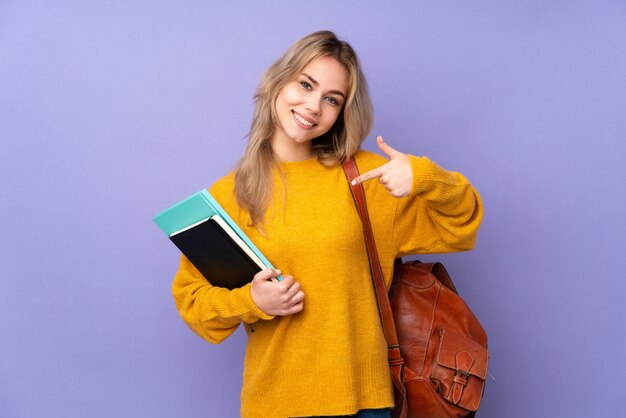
x=396 y=361
x=463 y=362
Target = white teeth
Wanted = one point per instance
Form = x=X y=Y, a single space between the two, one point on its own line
x=303 y=121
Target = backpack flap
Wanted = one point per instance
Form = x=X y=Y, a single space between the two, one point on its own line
x=461 y=370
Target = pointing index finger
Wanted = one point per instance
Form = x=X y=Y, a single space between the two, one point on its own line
x=372 y=174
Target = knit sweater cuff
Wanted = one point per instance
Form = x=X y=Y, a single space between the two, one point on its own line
x=244 y=297
x=425 y=172
x=435 y=184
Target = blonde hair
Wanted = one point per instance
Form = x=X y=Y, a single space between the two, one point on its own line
x=253 y=180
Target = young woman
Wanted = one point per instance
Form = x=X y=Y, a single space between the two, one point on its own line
x=315 y=342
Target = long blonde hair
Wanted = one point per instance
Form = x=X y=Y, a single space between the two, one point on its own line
x=253 y=181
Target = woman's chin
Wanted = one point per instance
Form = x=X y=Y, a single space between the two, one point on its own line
x=301 y=140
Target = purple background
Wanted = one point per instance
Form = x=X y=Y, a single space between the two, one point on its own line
x=110 y=111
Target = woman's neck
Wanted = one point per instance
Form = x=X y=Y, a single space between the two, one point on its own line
x=290 y=151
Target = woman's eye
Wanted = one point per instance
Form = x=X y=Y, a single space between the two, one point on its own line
x=332 y=100
x=305 y=85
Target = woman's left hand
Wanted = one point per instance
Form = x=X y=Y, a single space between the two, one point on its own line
x=396 y=175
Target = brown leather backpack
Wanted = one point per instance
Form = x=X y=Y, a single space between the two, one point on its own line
x=437 y=348
x=443 y=345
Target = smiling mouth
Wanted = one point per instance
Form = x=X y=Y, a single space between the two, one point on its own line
x=305 y=122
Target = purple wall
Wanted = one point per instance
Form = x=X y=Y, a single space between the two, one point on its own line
x=111 y=111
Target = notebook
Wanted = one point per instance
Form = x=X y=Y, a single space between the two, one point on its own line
x=212 y=241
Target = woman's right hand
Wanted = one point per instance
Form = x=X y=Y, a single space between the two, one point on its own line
x=276 y=298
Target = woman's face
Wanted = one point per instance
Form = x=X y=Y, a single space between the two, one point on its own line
x=308 y=106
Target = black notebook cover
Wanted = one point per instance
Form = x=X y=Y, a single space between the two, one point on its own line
x=213 y=252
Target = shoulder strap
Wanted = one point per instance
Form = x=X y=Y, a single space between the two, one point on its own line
x=358 y=194
x=396 y=362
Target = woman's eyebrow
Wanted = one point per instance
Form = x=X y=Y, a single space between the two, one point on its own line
x=317 y=84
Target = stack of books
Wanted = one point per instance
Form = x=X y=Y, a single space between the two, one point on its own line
x=212 y=241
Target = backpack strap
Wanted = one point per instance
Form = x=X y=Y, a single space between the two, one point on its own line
x=396 y=361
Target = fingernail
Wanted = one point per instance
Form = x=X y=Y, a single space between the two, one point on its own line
x=277 y=271
x=354 y=182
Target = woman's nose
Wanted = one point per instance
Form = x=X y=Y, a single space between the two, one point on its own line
x=314 y=104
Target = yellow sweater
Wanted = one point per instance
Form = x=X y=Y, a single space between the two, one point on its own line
x=331 y=358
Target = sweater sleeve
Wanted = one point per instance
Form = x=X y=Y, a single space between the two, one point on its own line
x=442 y=214
x=212 y=312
